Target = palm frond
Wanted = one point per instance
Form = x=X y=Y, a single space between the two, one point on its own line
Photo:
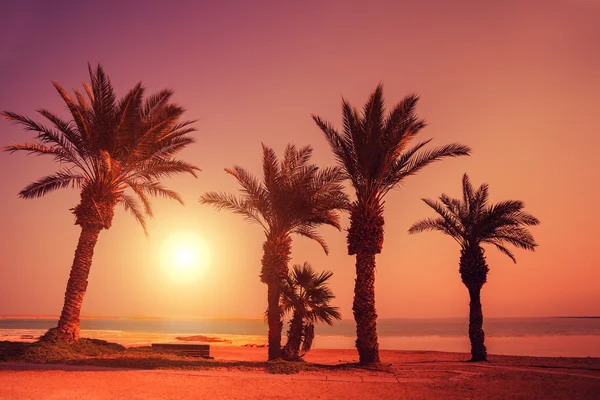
x=343 y=153
x=39 y=150
x=47 y=136
x=423 y=158
x=157 y=168
x=430 y=224
x=501 y=248
x=77 y=112
x=130 y=205
x=468 y=193
x=59 y=180
x=271 y=170
x=225 y=201
x=312 y=234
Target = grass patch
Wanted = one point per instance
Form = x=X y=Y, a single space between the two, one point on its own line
x=50 y=349
x=12 y=351
x=284 y=367
x=99 y=353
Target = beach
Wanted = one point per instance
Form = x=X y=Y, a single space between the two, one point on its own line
x=404 y=375
x=545 y=337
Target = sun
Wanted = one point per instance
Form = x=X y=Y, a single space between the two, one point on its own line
x=185 y=256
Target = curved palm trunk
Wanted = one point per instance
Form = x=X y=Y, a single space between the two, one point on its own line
x=275 y=260
x=309 y=337
x=473 y=271
x=292 y=347
x=363 y=307
x=68 y=324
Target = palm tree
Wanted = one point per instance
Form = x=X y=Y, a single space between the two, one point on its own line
x=108 y=146
x=306 y=295
x=294 y=197
x=372 y=151
x=473 y=222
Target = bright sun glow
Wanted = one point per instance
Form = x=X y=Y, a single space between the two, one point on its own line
x=185 y=256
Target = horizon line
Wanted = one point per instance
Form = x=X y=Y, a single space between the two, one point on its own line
x=151 y=318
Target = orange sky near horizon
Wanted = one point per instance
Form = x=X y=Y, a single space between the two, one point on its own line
x=517 y=82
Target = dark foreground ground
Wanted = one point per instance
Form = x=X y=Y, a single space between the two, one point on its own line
x=241 y=373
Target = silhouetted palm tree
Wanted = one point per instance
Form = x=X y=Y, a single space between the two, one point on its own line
x=372 y=150
x=294 y=197
x=108 y=146
x=306 y=296
x=472 y=222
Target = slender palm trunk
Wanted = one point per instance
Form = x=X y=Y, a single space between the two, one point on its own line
x=365 y=239
x=363 y=307
x=476 y=335
x=292 y=347
x=274 y=270
x=274 y=320
x=308 y=330
x=473 y=271
x=68 y=324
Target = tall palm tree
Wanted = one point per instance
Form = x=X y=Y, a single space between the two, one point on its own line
x=372 y=151
x=109 y=146
x=306 y=296
x=294 y=197
x=473 y=222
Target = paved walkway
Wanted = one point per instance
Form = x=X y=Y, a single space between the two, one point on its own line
x=456 y=374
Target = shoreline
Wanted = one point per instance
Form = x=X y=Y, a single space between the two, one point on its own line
x=523 y=345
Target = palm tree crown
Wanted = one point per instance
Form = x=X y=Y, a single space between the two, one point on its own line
x=471 y=221
x=109 y=146
x=293 y=197
x=373 y=151
x=306 y=296
x=306 y=292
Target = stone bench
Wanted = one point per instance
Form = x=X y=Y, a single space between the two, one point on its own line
x=191 y=350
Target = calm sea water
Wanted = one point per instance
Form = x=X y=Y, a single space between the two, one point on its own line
x=575 y=337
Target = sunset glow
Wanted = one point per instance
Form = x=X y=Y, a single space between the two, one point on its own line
x=513 y=80
x=185 y=256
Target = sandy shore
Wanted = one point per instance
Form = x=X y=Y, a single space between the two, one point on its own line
x=405 y=375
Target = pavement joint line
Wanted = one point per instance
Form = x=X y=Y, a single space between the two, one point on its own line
x=538 y=370
x=19 y=366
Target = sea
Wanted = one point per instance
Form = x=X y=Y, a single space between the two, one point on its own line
x=547 y=337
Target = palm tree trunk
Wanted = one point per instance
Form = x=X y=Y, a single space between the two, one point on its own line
x=68 y=324
x=274 y=320
x=476 y=335
x=473 y=272
x=365 y=239
x=275 y=261
x=291 y=349
x=363 y=307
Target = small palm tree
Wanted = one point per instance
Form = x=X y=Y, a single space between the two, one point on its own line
x=294 y=197
x=306 y=296
x=372 y=151
x=109 y=146
x=473 y=222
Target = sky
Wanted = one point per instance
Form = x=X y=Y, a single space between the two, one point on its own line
x=516 y=80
